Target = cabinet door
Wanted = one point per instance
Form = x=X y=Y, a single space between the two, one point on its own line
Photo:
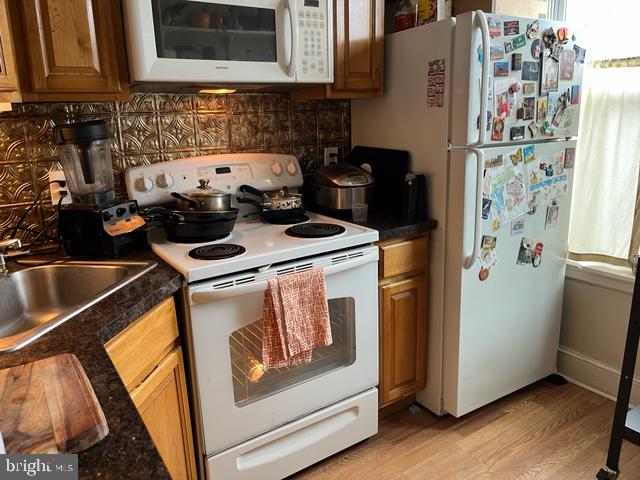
x=403 y=334
x=359 y=44
x=9 y=88
x=74 y=50
x=163 y=405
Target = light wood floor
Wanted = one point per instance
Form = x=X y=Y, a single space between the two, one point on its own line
x=541 y=432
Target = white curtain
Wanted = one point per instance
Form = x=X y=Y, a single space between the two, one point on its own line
x=607 y=163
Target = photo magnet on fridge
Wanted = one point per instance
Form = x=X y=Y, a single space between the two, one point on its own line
x=549 y=77
x=516 y=62
x=575 y=94
x=508 y=47
x=530 y=252
x=495 y=27
x=556 y=52
x=517 y=133
x=530 y=70
x=569 y=157
x=529 y=88
x=529 y=154
x=489 y=242
x=541 y=109
x=496 y=52
x=501 y=69
x=552 y=216
x=567 y=63
x=536 y=48
x=486 y=207
x=529 y=104
x=518 y=42
x=511 y=27
x=580 y=53
x=497 y=131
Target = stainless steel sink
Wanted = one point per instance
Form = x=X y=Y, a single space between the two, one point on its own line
x=37 y=299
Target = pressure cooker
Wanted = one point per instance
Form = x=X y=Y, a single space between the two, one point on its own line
x=339 y=186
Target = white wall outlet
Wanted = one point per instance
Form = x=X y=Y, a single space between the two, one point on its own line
x=330 y=155
x=55 y=188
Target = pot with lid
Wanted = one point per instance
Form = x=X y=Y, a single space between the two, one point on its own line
x=339 y=186
x=203 y=198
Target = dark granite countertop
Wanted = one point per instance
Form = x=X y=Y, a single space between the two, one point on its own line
x=127 y=451
x=391 y=226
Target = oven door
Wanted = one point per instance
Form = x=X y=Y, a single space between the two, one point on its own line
x=238 y=399
x=211 y=40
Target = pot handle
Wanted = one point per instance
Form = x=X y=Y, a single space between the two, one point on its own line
x=251 y=190
x=190 y=201
x=251 y=201
x=161 y=213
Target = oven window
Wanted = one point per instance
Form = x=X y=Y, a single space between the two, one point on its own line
x=251 y=382
x=214 y=31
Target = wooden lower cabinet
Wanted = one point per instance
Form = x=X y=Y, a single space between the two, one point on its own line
x=149 y=360
x=164 y=407
x=403 y=319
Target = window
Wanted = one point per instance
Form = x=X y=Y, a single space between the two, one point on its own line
x=604 y=220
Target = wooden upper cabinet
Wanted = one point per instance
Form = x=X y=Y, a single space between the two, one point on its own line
x=358 y=52
x=73 y=49
x=359 y=45
x=9 y=85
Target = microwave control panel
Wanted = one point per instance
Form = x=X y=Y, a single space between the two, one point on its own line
x=313 y=39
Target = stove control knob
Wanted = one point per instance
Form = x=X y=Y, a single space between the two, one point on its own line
x=164 y=180
x=276 y=168
x=291 y=168
x=144 y=184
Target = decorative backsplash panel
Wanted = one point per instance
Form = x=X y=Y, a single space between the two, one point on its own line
x=158 y=127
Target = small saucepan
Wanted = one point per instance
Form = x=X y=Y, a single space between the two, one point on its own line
x=203 y=198
x=275 y=207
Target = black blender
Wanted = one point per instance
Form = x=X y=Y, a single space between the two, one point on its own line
x=95 y=223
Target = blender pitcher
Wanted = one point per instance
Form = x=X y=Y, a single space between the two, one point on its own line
x=85 y=153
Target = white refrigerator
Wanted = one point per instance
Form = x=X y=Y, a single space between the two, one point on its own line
x=499 y=189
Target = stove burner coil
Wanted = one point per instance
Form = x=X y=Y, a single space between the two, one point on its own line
x=314 y=230
x=217 y=252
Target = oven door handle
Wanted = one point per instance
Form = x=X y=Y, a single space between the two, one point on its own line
x=204 y=296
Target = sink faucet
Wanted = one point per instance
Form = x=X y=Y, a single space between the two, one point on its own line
x=5 y=245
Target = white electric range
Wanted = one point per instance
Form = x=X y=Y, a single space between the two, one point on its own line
x=259 y=423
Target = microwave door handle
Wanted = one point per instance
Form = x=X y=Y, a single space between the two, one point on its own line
x=205 y=295
x=480 y=19
x=289 y=46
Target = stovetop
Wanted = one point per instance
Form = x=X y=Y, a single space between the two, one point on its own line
x=265 y=244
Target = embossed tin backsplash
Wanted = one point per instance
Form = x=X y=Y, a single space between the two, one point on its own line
x=158 y=127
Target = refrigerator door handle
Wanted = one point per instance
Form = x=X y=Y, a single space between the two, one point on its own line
x=480 y=20
x=469 y=259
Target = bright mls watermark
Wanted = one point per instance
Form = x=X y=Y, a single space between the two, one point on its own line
x=50 y=467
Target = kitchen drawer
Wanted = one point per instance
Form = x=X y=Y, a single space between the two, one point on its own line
x=398 y=257
x=138 y=349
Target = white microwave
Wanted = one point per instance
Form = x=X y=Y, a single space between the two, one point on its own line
x=230 y=41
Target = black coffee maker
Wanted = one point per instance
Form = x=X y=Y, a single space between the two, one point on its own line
x=95 y=223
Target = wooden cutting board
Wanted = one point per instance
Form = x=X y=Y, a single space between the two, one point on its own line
x=49 y=406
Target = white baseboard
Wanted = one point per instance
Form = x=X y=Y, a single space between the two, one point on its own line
x=593 y=375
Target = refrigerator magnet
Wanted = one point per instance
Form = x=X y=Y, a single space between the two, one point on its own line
x=508 y=47
x=528 y=88
x=501 y=69
x=567 y=62
x=533 y=129
x=569 y=157
x=549 y=77
x=518 y=42
x=549 y=38
x=497 y=131
x=496 y=52
x=530 y=71
x=537 y=254
x=529 y=104
x=486 y=208
x=511 y=27
x=529 y=153
x=516 y=62
x=533 y=29
x=495 y=27
x=562 y=35
x=536 y=48
x=580 y=53
x=556 y=52
x=553 y=211
x=484 y=274
x=517 y=133
x=489 y=242
x=541 y=109
x=517 y=227
x=575 y=94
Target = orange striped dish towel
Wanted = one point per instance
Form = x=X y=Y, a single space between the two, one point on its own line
x=295 y=318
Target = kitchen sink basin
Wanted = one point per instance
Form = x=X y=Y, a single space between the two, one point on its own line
x=35 y=300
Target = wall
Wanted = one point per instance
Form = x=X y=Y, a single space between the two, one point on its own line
x=158 y=127
x=594 y=327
